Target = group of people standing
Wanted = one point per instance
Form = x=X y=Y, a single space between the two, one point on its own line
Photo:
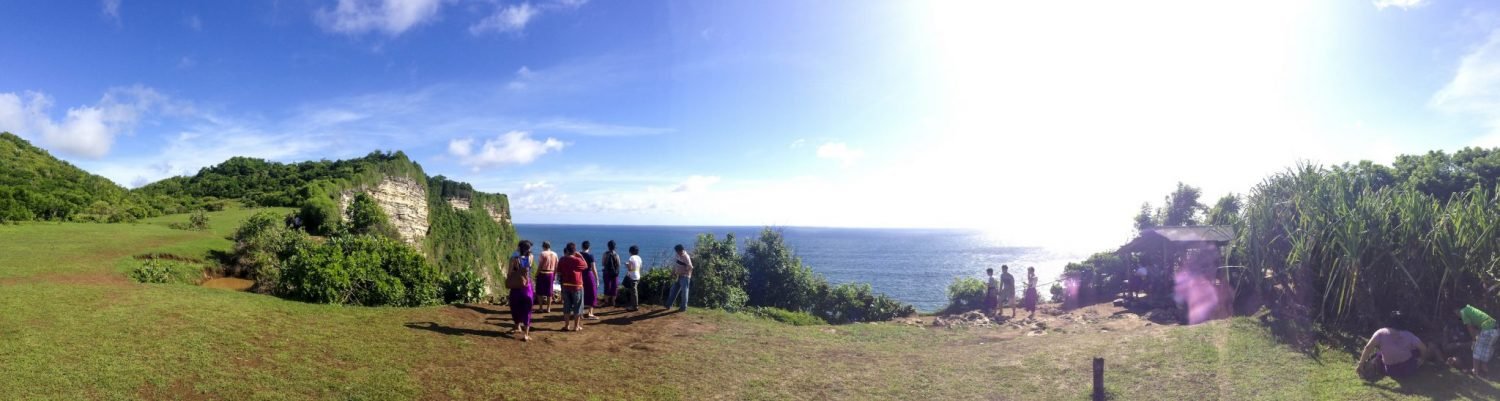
x=1396 y=352
x=1001 y=293
x=575 y=275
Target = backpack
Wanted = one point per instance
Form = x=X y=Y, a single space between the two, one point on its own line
x=515 y=277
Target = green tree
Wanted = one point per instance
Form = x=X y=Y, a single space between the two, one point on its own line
x=1143 y=220
x=1226 y=212
x=1182 y=207
x=718 y=275
x=366 y=217
x=777 y=277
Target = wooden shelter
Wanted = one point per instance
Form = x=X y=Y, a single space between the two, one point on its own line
x=1164 y=250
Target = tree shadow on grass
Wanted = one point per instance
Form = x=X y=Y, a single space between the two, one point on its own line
x=625 y=318
x=454 y=331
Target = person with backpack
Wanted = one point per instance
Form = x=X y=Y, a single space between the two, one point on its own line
x=633 y=279
x=545 y=272
x=518 y=280
x=590 y=283
x=611 y=270
x=570 y=272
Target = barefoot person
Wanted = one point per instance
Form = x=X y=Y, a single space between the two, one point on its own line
x=611 y=272
x=570 y=272
x=1399 y=351
x=518 y=280
x=683 y=271
x=1482 y=328
x=1007 y=290
x=590 y=283
x=1029 y=302
x=545 y=272
x=991 y=293
x=633 y=279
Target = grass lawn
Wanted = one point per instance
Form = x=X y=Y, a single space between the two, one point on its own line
x=72 y=327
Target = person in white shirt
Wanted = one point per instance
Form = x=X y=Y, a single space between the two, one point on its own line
x=632 y=279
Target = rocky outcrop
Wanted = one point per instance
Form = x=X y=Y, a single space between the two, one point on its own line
x=459 y=203
x=499 y=215
x=403 y=199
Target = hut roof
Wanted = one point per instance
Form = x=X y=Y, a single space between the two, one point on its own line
x=1214 y=234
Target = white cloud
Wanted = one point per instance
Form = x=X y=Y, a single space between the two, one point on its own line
x=507 y=19
x=598 y=129
x=87 y=131
x=1402 y=4
x=391 y=17
x=514 y=18
x=840 y=152
x=514 y=147
x=697 y=183
x=186 y=62
x=1475 y=88
x=111 y=10
x=799 y=143
x=193 y=22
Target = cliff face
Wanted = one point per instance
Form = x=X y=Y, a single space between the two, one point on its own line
x=403 y=199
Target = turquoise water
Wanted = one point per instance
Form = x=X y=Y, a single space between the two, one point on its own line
x=912 y=265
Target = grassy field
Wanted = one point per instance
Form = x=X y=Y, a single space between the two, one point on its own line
x=73 y=327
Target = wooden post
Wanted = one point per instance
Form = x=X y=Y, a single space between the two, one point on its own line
x=1098 y=379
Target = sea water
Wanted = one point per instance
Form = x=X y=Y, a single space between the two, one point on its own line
x=912 y=265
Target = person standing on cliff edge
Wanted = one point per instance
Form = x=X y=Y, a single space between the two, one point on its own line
x=590 y=283
x=683 y=271
x=545 y=272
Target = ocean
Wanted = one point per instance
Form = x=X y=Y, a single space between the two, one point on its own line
x=912 y=265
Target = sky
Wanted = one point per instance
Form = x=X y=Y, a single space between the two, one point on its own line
x=1044 y=123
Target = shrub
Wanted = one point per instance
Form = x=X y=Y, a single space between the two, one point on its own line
x=965 y=294
x=198 y=221
x=261 y=244
x=785 y=316
x=849 y=303
x=159 y=271
x=362 y=270
x=655 y=285
x=777 y=278
x=366 y=217
x=151 y=272
x=463 y=286
x=718 y=275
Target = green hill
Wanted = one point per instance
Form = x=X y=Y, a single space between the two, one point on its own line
x=34 y=185
x=456 y=227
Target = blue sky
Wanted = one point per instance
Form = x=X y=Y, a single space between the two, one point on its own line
x=1046 y=124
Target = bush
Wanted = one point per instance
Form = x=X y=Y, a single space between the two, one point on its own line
x=785 y=316
x=849 y=303
x=463 y=286
x=159 y=271
x=655 y=285
x=361 y=270
x=718 y=275
x=261 y=244
x=965 y=294
x=151 y=272
x=198 y=221
x=366 y=217
x=777 y=278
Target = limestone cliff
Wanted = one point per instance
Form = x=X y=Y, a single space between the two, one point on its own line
x=403 y=199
